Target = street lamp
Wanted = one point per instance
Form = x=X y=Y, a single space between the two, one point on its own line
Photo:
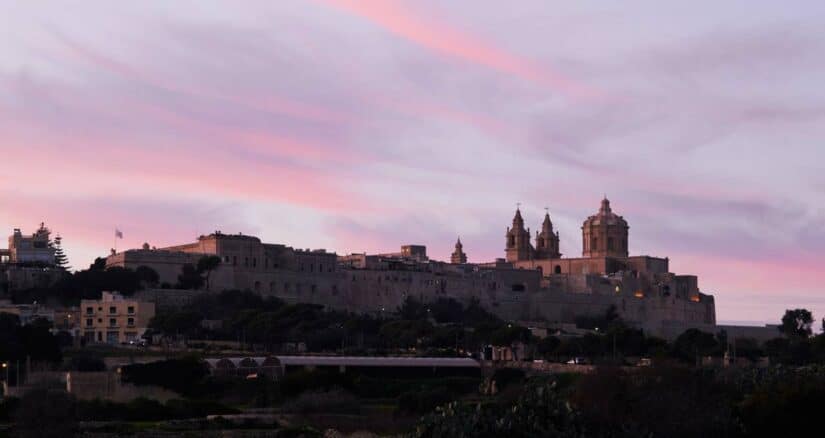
x=6 y=367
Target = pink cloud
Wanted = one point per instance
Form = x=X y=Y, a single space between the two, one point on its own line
x=402 y=21
x=265 y=102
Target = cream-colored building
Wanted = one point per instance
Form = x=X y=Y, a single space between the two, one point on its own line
x=114 y=319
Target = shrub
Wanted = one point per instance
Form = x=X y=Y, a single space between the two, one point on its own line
x=334 y=401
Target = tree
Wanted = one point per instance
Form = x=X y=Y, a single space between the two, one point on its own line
x=147 y=276
x=206 y=265
x=189 y=278
x=694 y=343
x=797 y=323
x=45 y=413
x=60 y=259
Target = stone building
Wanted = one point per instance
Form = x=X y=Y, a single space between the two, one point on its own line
x=605 y=234
x=114 y=319
x=458 y=257
x=531 y=283
x=32 y=249
x=28 y=262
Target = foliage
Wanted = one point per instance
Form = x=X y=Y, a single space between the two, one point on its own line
x=34 y=341
x=784 y=403
x=189 y=278
x=693 y=344
x=143 y=409
x=675 y=401
x=45 y=413
x=539 y=411
x=206 y=265
x=60 y=259
x=508 y=376
x=147 y=276
x=797 y=323
x=423 y=400
x=180 y=375
x=333 y=401
x=86 y=361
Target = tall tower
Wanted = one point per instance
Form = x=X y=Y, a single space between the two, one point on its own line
x=458 y=257
x=518 y=240
x=605 y=234
x=547 y=242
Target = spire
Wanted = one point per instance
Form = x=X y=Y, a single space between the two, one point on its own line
x=458 y=243
x=518 y=222
x=547 y=225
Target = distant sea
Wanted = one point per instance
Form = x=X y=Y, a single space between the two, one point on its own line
x=746 y=323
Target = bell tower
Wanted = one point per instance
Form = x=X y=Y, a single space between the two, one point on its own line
x=547 y=242
x=458 y=257
x=518 y=240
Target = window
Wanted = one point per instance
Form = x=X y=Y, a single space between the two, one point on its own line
x=610 y=243
x=226 y=259
x=246 y=261
x=557 y=269
x=234 y=260
x=320 y=267
x=594 y=246
x=90 y=310
x=130 y=321
x=254 y=262
x=131 y=309
x=89 y=322
x=112 y=309
x=112 y=322
x=313 y=288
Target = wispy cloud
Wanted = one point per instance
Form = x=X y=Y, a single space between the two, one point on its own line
x=429 y=32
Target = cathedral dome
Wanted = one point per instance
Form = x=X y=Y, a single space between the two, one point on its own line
x=605 y=216
x=605 y=234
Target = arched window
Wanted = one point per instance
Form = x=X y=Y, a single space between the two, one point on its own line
x=594 y=245
x=557 y=269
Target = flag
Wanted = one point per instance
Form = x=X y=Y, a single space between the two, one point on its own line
x=118 y=234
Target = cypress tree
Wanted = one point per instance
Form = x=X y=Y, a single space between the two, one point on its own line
x=60 y=259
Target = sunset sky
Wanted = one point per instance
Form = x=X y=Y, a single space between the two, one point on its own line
x=364 y=125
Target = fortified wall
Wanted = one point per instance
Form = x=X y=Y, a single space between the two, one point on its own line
x=531 y=283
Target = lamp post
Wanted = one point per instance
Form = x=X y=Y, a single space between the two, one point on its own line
x=6 y=367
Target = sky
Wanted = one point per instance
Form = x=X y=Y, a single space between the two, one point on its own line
x=359 y=126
